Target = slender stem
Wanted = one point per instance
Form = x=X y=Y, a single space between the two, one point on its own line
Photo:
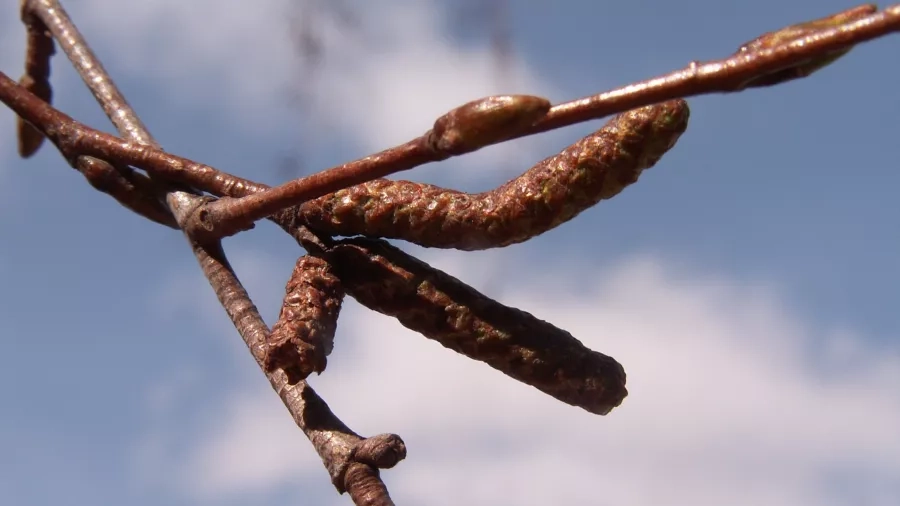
x=352 y=461
x=729 y=75
x=746 y=68
x=138 y=197
x=228 y=216
x=91 y=71
x=336 y=444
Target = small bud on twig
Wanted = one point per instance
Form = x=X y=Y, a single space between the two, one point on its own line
x=485 y=121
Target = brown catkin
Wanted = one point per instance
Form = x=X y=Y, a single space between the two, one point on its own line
x=39 y=49
x=554 y=191
x=304 y=333
x=440 y=307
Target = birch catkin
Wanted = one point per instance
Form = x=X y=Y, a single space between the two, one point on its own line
x=304 y=333
x=440 y=307
x=39 y=49
x=554 y=191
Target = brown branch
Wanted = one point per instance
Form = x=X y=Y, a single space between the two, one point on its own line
x=131 y=189
x=379 y=275
x=342 y=450
x=75 y=139
x=335 y=443
x=464 y=129
x=553 y=192
x=134 y=191
x=747 y=68
x=790 y=53
x=88 y=66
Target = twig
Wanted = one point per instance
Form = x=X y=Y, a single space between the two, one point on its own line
x=746 y=68
x=88 y=66
x=131 y=189
x=742 y=70
x=464 y=129
x=383 y=277
x=73 y=139
x=796 y=52
x=351 y=460
x=134 y=191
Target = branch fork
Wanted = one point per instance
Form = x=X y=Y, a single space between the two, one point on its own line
x=351 y=200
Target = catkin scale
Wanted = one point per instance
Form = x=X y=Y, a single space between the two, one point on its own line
x=554 y=191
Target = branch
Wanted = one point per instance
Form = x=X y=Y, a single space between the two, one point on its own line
x=790 y=53
x=46 y=18
x=88 y=66
x=464 y=129
x=133 y=190
x=377 y=274
x=351 y=460
x=768 y=60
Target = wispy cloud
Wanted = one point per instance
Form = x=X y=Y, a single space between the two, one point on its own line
x=727 y=403
x=377 y=87
x=733 y=399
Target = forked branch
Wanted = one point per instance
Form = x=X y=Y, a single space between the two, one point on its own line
x=208 y=204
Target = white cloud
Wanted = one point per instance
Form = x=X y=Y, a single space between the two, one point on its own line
x=264 y=441
x=390 y=85
x=727 y=403
x=229 y=53
x=376 y=88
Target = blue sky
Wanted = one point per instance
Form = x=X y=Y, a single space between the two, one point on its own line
x=748 y=283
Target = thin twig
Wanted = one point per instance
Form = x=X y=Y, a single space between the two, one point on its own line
x=819 y=43
x=379 y=275
x=88 y=66
x=736 y=73
x=464 y=129
x=134 y=191
x=746 y=68
x=341 y=449
x=131 y=189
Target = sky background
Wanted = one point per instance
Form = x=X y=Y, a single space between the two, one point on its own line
x=748 y=283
